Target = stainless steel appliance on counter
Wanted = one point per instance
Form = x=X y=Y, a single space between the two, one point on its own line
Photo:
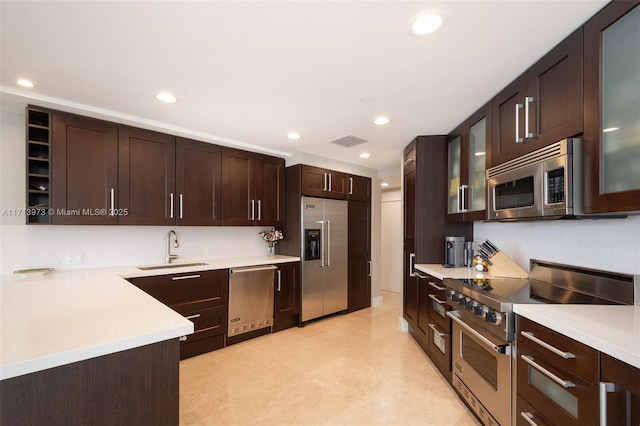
x=250 y=299
x=483 y=332
x=324 y=257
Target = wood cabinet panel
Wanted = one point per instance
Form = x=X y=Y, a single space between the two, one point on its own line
x=359 y=188
x=504 y=116
x=238 y=184
x=623 y=404
x=323 y=183
x=359 y=293
x=85 y=170
x=269 y=190
x=135 y=387
x=286 y=301
x=146 y=177
x=359 y=252
x=409 y=198
x=198 y=183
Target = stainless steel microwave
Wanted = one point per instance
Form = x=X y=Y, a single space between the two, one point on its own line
x=543 y=184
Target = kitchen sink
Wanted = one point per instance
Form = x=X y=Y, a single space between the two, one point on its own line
x=171 y=266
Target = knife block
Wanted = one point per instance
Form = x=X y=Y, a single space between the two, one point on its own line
x=503 y=267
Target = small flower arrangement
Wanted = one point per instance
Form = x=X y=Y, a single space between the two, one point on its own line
x=271 y=237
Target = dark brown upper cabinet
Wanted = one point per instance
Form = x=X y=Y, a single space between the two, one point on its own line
x=542 y=106
x=146 y=177
x=84 y=171
x=359 y=188
x=198 y=183
x=252 y=189
x=318 y=182
x=467 y=162
x=612 y=109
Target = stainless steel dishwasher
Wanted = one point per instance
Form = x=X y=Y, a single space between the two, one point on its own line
x=250 y=299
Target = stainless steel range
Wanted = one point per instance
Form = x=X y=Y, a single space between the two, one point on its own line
x=484 y=325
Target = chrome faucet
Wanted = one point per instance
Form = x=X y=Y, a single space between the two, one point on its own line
x=176 y=244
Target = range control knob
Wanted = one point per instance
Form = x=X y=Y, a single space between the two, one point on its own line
x=449 y=294
x=463 y=301
x=480 y=310
x=494 y=317
x=471 y=306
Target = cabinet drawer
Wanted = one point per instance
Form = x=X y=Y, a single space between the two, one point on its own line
x=437 y=303
x=208 y=322
x=556 y=392
x=584 y=362
x=188 y=292
x=439 y=349
x=524 y=409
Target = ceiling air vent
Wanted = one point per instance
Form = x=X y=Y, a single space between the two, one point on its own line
x=349 y=141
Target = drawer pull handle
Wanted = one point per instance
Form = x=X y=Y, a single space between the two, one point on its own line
x=436 y=286
x=529 y=335
x=193 y=316
x=185 y=277
x=528 y=417
x=435 y=330
x=182 y=339
x=435 y=299
x=564 y=383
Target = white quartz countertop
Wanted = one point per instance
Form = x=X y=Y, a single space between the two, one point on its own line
x=70 y=316
x=612 y=329
x=440 y=272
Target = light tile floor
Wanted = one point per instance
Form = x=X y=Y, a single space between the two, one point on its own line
x=354 y=369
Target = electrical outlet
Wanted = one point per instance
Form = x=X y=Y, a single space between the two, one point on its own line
x=75 y=258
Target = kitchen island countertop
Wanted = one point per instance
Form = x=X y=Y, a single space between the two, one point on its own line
x=68 y=316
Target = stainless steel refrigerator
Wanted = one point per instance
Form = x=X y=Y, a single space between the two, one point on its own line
x=324 y=257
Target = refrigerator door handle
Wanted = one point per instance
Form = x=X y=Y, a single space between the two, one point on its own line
x=322 y=244
x=328 y=243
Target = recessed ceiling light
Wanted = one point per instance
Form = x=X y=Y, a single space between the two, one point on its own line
x=382 y=120
x=425 y=23
x=480 y=153
x=293 y=136
x=365 y=155
x=166 y=97
x=384 y=184
x=610 y=129
x=25 y=83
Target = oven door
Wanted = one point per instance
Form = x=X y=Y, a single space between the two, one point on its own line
x=481 y=370
x=516 y=193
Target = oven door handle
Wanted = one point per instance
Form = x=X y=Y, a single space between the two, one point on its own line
x=501 y=349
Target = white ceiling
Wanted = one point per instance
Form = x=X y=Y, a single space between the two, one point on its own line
x=247 y=73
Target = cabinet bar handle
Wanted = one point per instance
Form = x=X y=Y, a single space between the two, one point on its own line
x=436 y=286
x=259 y=210
x=180 y=197
x=408 y=162
x=435 y=330
x=464 y=197
x=171 y=206
x=193 y=316
x=113 y=201
x=185 y=277
x=369 y=268
x=518 y=138
x=564 y=383
x=605 y=388
x=529 y=335
x=458 y=199
x=528 y=100
x=330 y=182
x=252 y=210
x=350 y=186
x=412 y=259
x=324 y=181
x=435 y=299
x=528 y=417
x=279 y=279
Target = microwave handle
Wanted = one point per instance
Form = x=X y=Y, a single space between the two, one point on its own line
x=518 y=138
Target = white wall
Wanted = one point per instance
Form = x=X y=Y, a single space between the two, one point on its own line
x=391 y=241
x=606 y=244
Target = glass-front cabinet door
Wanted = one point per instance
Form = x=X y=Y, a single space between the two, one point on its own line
x=477 y=165
x=454 y=204
x=612 y=109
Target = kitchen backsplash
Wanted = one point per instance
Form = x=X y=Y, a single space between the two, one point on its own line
x=47 y=246
x=607 y=244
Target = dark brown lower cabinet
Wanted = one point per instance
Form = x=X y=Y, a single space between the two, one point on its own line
x=623 y=399
x=136 y=387
x=359 y=249
x=410 y=291
x=286 y=300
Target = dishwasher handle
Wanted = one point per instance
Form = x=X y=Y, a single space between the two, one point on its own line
x=252 y=269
